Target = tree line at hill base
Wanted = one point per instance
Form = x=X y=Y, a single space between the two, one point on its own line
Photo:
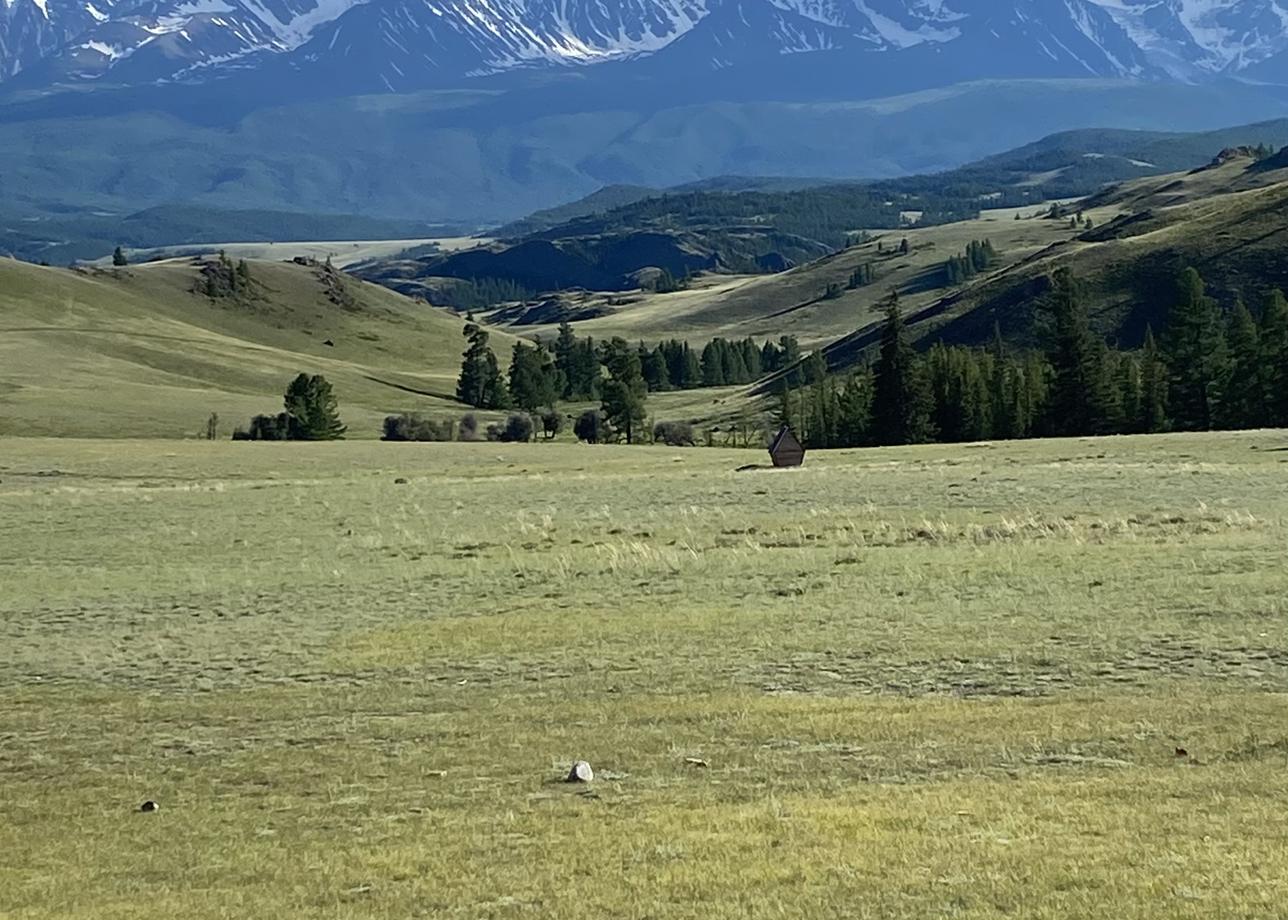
x=573 y=368
x=619 y=375
x=1204 y=371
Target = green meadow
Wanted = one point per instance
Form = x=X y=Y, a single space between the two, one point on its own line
x=1041 y=680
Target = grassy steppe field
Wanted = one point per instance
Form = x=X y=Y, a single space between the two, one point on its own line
x=947 y=681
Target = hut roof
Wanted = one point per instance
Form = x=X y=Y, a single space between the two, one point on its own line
x=786 y=448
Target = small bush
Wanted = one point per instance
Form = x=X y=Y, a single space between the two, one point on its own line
x=495 y=432
x=412 y=427
x=591 y=427
x=552 y=422
x=518 y=427
x=674 y=434
x=469 y=428
x=278 y=427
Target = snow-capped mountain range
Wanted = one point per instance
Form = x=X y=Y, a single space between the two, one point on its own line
x=395 y=45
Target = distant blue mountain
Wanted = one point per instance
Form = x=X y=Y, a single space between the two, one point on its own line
x=483 y=110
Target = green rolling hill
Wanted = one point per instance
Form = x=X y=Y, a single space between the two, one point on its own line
x=135 y=352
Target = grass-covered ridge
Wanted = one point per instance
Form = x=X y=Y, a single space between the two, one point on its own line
x=914 y=682
x=142 y=351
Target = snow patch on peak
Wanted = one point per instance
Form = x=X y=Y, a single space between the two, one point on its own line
x=900 y=36
x=296 y=30
x=111 y=52
x=1203 y=36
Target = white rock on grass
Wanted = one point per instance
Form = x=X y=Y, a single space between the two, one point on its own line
x=580 y=773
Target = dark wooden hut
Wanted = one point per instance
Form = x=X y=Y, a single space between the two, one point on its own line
x=786 y=449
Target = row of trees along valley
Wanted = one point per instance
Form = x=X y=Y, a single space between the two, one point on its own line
x=1203 y=371
x=618 y=374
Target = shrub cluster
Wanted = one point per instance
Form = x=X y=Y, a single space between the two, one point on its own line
x=413 y=427
x=674 y=434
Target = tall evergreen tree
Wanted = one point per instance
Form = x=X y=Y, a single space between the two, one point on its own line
x=789 y=352
x=1274 y=358
x=533 y=378
x=657 y=372
x=1153 y=386
x=1244 y=403
x=480 y=383
x=854 y=409
x=1195 y=347
x=1077 y=388
x=713 y=371
x=901 y=398
x=624 y=391
x=814 y=367
x=565 y=350
x=751 y=359
x=770 y=360
x=692 y=376
x=312 y=409
x=1129 y=392
x=1036 y=395
x=1000 y=390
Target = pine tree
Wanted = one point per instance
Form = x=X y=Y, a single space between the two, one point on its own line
x=979 y=417
x=901 y=397
x=861 y=276
x=1107 y=406
x=814 y=367
x=854 y=410
x=1244 y=405
x=533 y=378
x=692 y=376
x=657 y=374
x=789 y=357
x=1129 y=392
x=770 y=359
x=480 y=383
x=1153 y=386
x=751 y=359
x=625 y=391
x=565 y=350
x=1274 y=359
x=118 y=257
x=821 y=430
x=312 y=409
x=713 y=372
x=1000 y=395
x=1077 y=390
x=1195 y=348
x=1033 y=396
x=735 y=371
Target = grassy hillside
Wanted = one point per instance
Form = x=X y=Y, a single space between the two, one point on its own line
x=1041 y=680
x=1227 y=221
x=793 y=302
x=135 y=352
